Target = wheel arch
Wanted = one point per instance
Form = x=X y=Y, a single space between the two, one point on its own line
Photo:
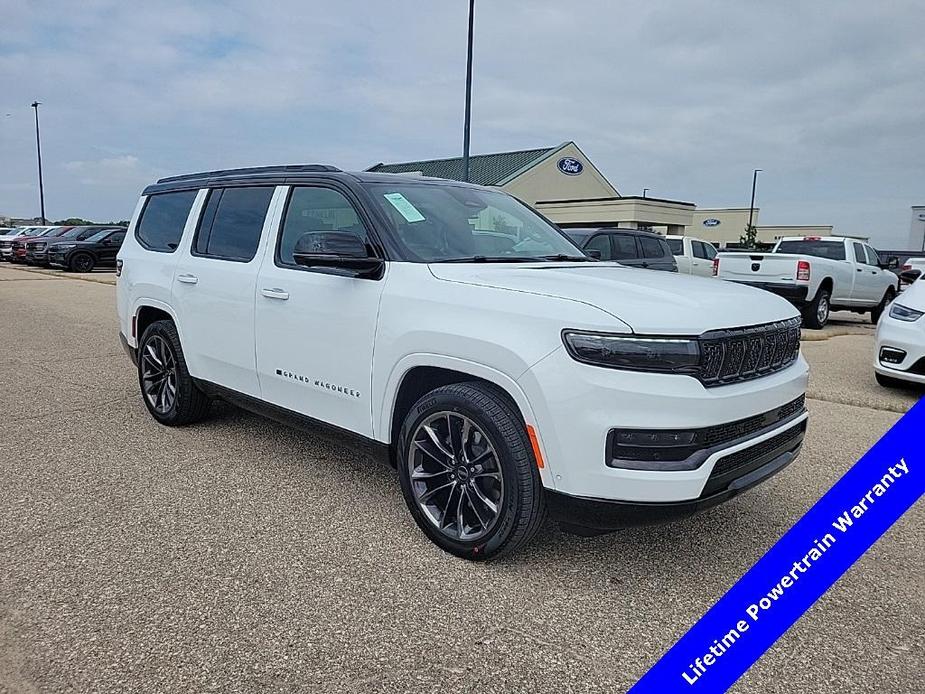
x=827 y=283
x=147 y=311
x=418 y=374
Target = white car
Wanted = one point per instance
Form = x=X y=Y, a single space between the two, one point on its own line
x=6 y=240
x=900 y=354
x=913 y=265
x=503 y=380
x=694 y=256
x=818 y=274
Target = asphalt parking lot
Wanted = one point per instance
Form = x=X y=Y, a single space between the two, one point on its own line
x=239 y=555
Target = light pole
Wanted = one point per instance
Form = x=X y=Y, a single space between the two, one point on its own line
x=751 y=207
x=38 y=149
x=644 y=191
x=468 y=94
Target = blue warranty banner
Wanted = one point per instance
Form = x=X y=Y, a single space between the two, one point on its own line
x=797 y=570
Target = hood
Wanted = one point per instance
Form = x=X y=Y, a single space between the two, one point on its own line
x=913 y=296
x=650 y=302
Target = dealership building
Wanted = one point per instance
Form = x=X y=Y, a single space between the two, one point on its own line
x=564 y=185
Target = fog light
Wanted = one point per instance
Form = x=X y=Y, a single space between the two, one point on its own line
x=891 y=355
x=654 y=438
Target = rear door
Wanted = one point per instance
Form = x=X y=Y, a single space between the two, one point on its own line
x=866 y=277
x=215 y=283
x=601 y=243
x=625 y=250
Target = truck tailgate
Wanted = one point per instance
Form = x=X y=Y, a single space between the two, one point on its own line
x=758 y=267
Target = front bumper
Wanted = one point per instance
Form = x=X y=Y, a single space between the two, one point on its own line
x=576 y=406
x=591 y=516
x=908 y=337
x=796 y=294
x=59 y=259
x=37 y=257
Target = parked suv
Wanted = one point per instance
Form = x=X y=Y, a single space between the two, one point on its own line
x=642 y=249
x=7 y=239
x=96 y=247
x=37 y=249
x=18 y=252
x=504 y=383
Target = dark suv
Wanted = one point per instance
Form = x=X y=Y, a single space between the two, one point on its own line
x=37 y=249
x=82 y=255
x=632 y=247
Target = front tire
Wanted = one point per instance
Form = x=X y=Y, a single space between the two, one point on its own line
x=816 y=313
x=468 y=473
x=877 y=311
x=168 y=390
x=81 y=262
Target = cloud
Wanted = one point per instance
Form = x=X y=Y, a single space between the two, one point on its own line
x=682 y=98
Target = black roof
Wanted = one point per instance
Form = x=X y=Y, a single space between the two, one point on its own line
x=588 y=231
x=278 y=175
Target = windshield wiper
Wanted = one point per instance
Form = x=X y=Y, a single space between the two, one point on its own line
x=487 y=259
x=571 y=258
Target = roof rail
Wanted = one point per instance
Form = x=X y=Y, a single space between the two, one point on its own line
x=248 y=171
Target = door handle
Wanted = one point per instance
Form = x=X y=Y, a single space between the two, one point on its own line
x=188 y=279
x=275 y=293
x=860 y=269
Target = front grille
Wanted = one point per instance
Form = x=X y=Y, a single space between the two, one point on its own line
x=35 y=246
x=741 y=354
x=6 y=244
x=734 y=461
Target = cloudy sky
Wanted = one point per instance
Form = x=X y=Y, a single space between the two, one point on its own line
x=684 y=98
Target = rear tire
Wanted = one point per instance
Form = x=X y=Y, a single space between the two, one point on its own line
x=81 y=262
x=816 y=313
x=167 y=389
x=476 y=427
x=878 y=310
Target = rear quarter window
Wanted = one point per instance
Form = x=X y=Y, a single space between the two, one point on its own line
x=162 y=220
x=676 y=246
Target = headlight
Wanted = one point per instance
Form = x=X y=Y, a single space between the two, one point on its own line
x=63 y=247
x=900 y=312
x=664 y=355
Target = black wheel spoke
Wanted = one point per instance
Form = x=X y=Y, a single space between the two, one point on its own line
x=455 y=476
x=159 y=374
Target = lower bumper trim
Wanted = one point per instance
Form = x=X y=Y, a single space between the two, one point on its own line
x=588 y=516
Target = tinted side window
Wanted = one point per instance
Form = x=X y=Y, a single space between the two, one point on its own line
x=601 y=243
x=872 y=257
x=231 y=223
x=117 y=238
x=162 y=220
x=709 y=250
x=652 y=247
x=700 y=249
x=624 y=247
x=859 y=253
x=313 y=210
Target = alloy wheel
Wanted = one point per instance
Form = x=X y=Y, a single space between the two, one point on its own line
x=159 y=374
x=822 y=311
x=456 y=476
x=82 y=263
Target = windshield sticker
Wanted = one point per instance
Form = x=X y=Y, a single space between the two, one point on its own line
x=405 y=208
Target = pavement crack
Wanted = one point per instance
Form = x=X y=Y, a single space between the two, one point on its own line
x=896 y=409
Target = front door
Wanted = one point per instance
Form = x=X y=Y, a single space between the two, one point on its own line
x=316 y=327
x=109 y=247
x=866 y=280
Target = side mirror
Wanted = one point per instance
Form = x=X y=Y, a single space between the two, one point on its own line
x=333 y=249
x=910 y=276
x=892 y=263
x=106 y=242
x=593 y=253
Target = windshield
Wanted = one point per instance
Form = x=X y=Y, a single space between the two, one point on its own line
x=676 y=246
x=821 y=249
x=447 y=222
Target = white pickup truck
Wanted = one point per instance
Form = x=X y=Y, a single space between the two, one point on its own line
x=694 y=256
x=818 y=275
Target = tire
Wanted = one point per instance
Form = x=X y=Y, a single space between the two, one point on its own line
x=878 y=310
x=816 y=312
x=81 y=262
x=507 y=474
x=161 y=343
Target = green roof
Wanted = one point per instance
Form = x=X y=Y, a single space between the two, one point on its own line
x=484 y=169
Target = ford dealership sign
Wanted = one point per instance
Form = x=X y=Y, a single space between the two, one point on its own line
x=570 y=166
x=711 y=222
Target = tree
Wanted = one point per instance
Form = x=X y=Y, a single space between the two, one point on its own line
x=72 y=222
x=750 y=236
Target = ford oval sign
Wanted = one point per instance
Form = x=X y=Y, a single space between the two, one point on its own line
x=711 y=222
x=570 y=166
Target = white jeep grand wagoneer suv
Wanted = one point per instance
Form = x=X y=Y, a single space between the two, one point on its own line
x=507 y=374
